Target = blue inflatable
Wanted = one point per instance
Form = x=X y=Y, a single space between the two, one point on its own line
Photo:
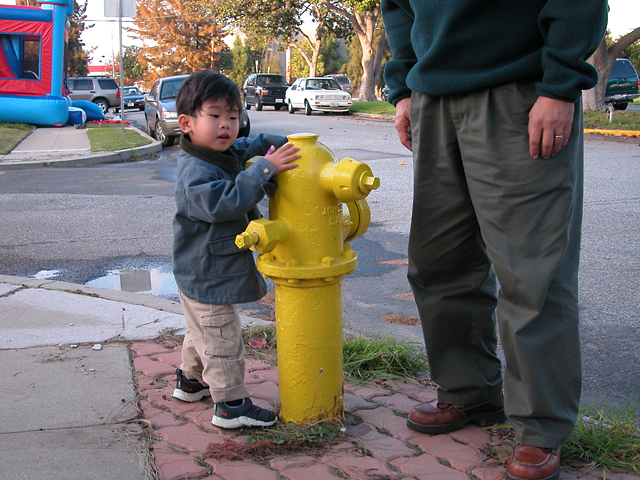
x=91 y=109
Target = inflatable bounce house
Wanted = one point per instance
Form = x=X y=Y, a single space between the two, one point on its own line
x=32 y=50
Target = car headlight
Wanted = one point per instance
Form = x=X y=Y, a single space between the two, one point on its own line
x=319 y=97
x=347 y=97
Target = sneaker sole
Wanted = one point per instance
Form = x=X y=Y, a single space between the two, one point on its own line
x=239 y=422
x=489 y=418
x=190 y=397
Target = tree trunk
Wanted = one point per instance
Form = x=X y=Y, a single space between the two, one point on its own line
x=593 y=99
x=367 y=21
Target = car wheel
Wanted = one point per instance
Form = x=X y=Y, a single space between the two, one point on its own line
x=290 y=108
x=246 y=104
x=307 y=108
x=166 y=140
x=620 y=106
x=150 y=130
x=258 y=104
x=141 y=109
x=103 y=104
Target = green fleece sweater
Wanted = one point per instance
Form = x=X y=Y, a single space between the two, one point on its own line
x=444 y=47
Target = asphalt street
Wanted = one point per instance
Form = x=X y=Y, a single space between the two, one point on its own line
x=84 y=225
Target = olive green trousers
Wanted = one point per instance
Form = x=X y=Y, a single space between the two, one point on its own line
x=484 y=209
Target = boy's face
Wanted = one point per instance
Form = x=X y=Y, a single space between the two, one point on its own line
x=215 y=125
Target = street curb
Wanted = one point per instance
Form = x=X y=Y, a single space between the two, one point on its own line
x=107 y=294
x=117 y=156
x=129 y=298
x=617 y=133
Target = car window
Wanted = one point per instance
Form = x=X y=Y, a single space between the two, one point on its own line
x=132 y=91
x=622 y=69
x=107 y=84
x=170 y=89
x=82 y=84
x=271 y=79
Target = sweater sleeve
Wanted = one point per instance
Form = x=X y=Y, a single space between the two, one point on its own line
x=398 y=20
x=572 y=31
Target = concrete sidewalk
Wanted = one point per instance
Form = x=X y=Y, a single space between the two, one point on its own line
x=67 y=146
x=86 y=394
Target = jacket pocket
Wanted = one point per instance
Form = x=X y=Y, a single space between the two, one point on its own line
x=228 y=259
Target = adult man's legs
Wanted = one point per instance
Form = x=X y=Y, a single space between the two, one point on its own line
x=530 y=214
x=449 y=272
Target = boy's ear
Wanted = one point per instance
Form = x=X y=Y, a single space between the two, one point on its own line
x=184 y=121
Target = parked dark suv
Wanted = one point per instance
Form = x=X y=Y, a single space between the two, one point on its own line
x=262 y=89
x=103 y=91
x=623 y=84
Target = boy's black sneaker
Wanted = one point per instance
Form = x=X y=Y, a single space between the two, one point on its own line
x=244 y=415
x=188 y=390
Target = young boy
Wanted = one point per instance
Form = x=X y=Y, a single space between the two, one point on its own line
x=216 y=197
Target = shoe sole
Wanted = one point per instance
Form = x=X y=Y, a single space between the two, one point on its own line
x=553 y=476
x=239 y=422
x=190 y=397
x=488 y=418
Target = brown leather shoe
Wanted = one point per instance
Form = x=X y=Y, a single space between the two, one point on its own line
x=443 y=417
x=534 y=463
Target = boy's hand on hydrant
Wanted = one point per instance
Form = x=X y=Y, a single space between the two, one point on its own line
x=283 y=157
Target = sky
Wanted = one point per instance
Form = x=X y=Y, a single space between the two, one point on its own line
x=624 y=16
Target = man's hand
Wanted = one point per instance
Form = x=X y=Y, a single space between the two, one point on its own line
x=403 y=122
x=549 y=126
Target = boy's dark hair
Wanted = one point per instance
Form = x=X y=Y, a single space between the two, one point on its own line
x=206 y=85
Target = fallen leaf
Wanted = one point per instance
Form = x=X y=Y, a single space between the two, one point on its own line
x=256 y=342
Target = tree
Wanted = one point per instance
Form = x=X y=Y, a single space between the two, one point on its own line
x=184 y=37
x=77 y=58
x=132 y=69
x=281 y=22
x=603 y=60
x=241 y=64
x=365 y=17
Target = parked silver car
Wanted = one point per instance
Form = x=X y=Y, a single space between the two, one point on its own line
x=161 y=113
x=103 y=91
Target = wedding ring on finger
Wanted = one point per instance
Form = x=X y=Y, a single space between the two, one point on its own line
x=559 y=136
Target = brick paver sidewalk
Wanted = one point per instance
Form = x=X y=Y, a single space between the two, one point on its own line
x=381 y=446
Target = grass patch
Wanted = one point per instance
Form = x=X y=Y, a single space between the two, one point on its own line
x=606 y=437
x=380 y=108
x=622 y=120
x=281 y=440
x=107 y=137
x=11 y=134
x=364 y=358
x=385 y=358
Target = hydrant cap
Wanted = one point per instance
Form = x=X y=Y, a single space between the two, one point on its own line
x=353 y=180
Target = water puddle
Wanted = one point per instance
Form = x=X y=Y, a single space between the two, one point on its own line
x=153 y=282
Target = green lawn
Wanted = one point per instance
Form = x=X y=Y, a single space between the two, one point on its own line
x=11 y=134
x=622 y=120
x=107 y=137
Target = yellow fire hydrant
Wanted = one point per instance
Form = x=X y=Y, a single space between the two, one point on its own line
x=303 y=250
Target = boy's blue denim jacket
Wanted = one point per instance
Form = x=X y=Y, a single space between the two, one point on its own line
x=216 y=198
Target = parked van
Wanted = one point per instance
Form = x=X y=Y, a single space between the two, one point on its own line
x=623 y=84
